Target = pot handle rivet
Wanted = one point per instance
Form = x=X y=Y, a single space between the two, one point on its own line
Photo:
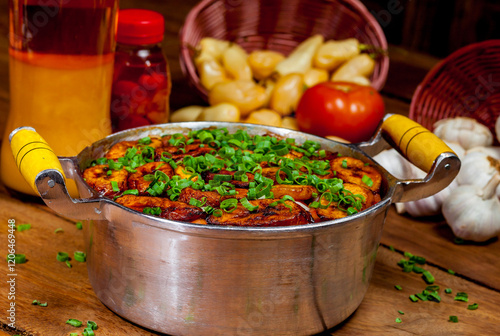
x=51 y=183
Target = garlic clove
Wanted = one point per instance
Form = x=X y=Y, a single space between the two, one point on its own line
x=466 y=131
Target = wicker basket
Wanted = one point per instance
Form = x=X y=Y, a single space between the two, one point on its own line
x=466 y=83
x=278 y=25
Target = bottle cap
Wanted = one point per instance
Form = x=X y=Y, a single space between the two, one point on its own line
x=139 y=27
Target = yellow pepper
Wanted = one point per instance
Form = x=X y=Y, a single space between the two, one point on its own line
x=211 y=73
x=263 y=62
x=301 y=58
x=287 y=93
x=246 y=95
x=314 y=76
x=210 y=48
x=332 y=53
x=234 y=60
x=188 y=113
x=358 y=66
x=220 y=112
x=264 y=117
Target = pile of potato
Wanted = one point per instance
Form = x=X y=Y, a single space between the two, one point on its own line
x=264 y=87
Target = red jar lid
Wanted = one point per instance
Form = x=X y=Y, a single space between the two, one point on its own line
x=140 y=26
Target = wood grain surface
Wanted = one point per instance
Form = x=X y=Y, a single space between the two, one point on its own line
x=69 y=294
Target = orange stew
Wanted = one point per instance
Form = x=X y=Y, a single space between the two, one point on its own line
x=215 y=177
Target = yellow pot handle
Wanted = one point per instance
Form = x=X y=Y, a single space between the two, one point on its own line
x=419 y=145
x=32 y=154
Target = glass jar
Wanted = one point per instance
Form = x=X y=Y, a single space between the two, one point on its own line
x=61 y=66
x=141 y=79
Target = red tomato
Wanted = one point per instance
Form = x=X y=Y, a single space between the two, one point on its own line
x=346 y=110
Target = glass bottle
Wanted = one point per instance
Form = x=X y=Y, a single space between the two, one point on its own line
x=61 y=66
x=141 y=79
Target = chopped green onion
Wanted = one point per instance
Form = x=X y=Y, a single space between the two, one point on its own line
x=19 y=258
x=398 y=287
x=74 y=322
x=229 y=205
x=68 y=263
x=115 y=187
x=448 y=290
x=418 y=260
x=368 y=181
x=38 y=303
x=428 y=277
x=156 y=211
x=458 y=241
x=244 y=201
x=79 y=225
x=392 y=248
x=413 y=298
x=58 y=230
x=92 y=325
x=344 y=163
x=62 y=256
x=417 y=269
x=23 y=227
x=453 y=319
x=473 y=306
x=434 y=296
x=131 y=192
x=73 y=334
x=461 y=296
x=222 y=177
x=452 y=272
x=398 y=320
x=80 y=256
x=422 y=296
x=401 y=312
x=144 y=141
x=88 y=332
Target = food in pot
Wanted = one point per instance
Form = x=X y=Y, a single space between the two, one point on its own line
x=211 y=176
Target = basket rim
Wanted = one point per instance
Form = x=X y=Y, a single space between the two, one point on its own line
x=189 y=70
x=419 y=91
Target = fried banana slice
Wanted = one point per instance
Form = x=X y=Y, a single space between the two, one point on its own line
x=334 y=212
x=137 y=181
x=352 y=170
x=172 y=210
x=298 y=192
x=97 y=177
x=119 y=149
x=213 y=198
x=264 y=215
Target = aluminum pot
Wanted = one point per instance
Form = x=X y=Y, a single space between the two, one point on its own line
x=190 y=279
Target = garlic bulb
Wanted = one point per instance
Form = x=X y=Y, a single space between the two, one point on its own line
x=478 y=168
x=466 y=131
x=473 y=212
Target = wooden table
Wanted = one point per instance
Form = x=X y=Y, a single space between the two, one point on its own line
x=69 y=294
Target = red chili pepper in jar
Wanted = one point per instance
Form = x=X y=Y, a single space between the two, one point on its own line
x=141 y=79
